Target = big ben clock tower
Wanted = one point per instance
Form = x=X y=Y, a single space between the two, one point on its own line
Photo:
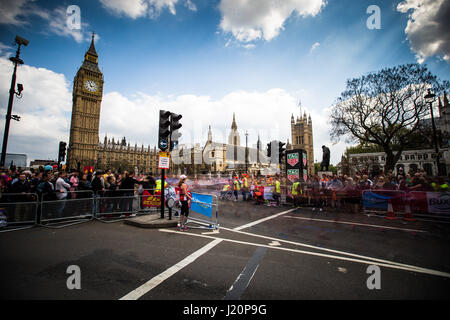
x=87 y=98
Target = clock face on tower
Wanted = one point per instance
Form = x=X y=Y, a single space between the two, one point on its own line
x=91 y=85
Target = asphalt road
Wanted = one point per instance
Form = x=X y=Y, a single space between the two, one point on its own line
x=259 y=253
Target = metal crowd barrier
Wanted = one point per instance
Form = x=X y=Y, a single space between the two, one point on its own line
x=376 y=201
x=18 y=211
x=77 y=208
x=122 y=204
x=199 y=210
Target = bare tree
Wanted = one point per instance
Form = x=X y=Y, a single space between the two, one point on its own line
x=384 y=108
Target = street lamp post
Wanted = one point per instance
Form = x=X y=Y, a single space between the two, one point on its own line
x=16 y=60
x=246 y=152
x=430 y=98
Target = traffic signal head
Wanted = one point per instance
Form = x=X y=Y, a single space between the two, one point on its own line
x=164 y=129
x=174 y=122
x=281 y=151
x=269 y=150
x=62 y=151
x=174 y=132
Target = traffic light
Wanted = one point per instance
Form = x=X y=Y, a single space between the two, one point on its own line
x=62 y=151
x=269 y=150
x=174 y=126
x=164 y=129
x=281 y=151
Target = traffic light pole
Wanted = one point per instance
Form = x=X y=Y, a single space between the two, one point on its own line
x=163 y=181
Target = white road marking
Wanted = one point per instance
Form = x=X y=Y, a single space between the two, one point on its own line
x=149 y=285
x=324 y=249
x=251 y=224
x=274 y=243
x=392 y=265
x=357 y=224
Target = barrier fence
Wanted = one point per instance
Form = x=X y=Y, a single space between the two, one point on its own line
x=203 y=212
x=18 y=210
x=78 y=207
x=25 y=210
x=420 y=203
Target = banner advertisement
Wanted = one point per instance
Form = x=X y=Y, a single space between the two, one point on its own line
x=293 y=174
x=438 y=202
x=202 y=203
x=150 y=201
x=430 y=202
x=268 y=193
x=293 y=159
x=296 y=165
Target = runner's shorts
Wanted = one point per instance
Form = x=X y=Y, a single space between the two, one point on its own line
x=184 y=208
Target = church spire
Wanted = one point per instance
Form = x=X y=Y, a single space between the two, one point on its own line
x=209 y=134
x=234 y=125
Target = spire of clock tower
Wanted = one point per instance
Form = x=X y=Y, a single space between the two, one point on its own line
x=91 y=57
x=92 y=50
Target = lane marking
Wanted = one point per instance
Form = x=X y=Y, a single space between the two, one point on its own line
x=356 y=224
x=324 y=249
x=152 y=283
x=392 y=265
x=251 y=224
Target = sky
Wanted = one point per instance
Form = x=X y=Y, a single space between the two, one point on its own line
x=207 y=59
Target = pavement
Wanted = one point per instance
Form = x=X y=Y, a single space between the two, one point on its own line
x=153 y=221
x=259 y=253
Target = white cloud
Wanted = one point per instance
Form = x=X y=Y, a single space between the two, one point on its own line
x=262 y=19
x=141 y=8
x=44 y=110
x=58 y=25
x=17 y=12
x=428 y=27
x=314 y=47
x=265 y=113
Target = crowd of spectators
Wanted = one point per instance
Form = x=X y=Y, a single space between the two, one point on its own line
x=54 y=185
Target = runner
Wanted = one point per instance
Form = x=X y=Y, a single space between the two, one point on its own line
x=185 y=197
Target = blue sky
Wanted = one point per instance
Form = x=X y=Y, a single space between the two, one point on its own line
x=183 y=56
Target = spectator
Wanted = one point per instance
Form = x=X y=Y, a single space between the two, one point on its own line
x=61 y=188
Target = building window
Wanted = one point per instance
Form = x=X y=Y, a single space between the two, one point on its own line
x=413 y=157
x=425 y=156
x=419 y=157
x=406 y=157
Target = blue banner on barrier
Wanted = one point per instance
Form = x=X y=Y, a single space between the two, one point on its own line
x=202 y=203
x=375 y=201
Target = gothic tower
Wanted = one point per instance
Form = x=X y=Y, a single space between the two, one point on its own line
x=302 y=138
x=86 y=99
x=234 y=138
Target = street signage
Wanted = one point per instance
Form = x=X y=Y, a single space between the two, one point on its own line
x=164 y=160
